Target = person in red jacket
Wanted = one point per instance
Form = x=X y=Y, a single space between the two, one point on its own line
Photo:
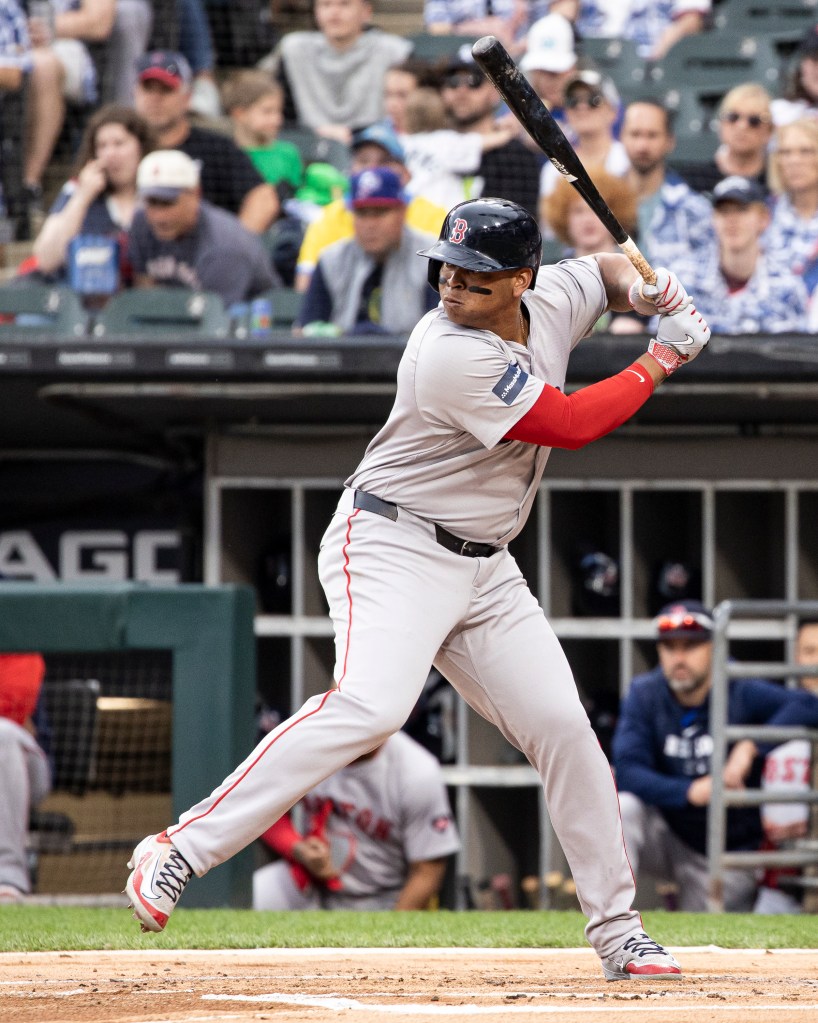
x=25 y=775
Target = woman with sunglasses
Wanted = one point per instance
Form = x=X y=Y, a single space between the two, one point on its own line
x=100 y=199
x=745 y=129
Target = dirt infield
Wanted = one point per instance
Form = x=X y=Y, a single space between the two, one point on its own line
x=421 y=985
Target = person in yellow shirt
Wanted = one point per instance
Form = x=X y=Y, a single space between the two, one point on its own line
x=375 y=146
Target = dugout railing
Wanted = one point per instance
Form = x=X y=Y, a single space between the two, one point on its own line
x=800 y=852
x=207 y=632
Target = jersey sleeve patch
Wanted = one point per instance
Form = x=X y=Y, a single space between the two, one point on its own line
x=510 y=383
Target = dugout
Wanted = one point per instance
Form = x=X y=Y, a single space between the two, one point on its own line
x=717 y=472
x=165 y=716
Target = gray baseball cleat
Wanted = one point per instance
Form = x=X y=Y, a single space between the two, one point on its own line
x=640 y=957
x=159 y=875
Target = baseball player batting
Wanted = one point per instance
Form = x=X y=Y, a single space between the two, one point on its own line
x=416 y=568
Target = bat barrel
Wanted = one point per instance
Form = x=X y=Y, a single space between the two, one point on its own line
x=494 y=60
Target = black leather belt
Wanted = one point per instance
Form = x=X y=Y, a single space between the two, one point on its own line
x=368 y=502
x=467 y=548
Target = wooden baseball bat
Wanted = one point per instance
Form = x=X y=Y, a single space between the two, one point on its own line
x=535 y=117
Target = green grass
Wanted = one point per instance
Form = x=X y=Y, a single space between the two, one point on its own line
x=48 y=928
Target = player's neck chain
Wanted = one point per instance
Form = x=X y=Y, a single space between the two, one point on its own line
x=523 y=329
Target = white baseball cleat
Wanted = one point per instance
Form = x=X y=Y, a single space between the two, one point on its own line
x=640 y=957
x=159 y=875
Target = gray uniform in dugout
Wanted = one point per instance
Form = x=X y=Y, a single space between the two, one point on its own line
x=416 y=568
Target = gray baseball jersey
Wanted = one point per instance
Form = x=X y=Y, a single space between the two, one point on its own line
x=400 y=600
x=387 y=812
x=460 y=390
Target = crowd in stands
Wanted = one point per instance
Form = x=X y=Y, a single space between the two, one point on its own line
x=276 y=141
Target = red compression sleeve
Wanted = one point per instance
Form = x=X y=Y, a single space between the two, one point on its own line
x=558 y=420
x=282 y=836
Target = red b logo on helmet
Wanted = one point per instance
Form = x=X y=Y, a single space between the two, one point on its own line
x=459 y=229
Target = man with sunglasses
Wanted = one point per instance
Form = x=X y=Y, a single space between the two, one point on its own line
x=178 y=239
x=661 y=753
x=510 y=171
x=591 y=108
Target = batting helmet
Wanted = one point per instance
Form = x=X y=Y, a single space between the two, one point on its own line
x=486 y=235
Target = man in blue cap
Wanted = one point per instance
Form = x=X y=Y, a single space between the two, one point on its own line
x=372 y=282
x=661 y=754
x=374 y=146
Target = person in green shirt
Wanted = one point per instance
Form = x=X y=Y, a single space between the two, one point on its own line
x=254 y=102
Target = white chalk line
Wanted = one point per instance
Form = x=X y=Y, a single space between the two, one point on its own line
x=334 y=1004
x=341 y=953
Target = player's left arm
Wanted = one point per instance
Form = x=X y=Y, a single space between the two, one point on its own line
x=422 y=883
x=627 y=292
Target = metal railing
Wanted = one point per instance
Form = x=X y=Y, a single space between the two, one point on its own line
x=725 y=669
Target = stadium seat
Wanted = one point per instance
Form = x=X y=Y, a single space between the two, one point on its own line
x=174 y=312
x=315 y=149
x=434 y=48
x=285 y=302
x=717 y=61
x=761 y=17
x=696 y=139
x=29 y=310
x=553 y=251
x=616 y=58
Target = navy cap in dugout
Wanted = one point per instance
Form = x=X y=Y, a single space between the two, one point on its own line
x=684 y=619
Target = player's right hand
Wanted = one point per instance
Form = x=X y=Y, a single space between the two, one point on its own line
x=679 y=338
x=667 y=295
x=314 y=855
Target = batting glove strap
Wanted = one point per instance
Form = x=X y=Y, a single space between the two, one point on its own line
x=668 y=358
x=667 y=295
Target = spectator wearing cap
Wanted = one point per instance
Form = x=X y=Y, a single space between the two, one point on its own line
x=654 y=25
x=178 y=239
x=745 y=131
x=549 y=61
x=800 y=97
x=591 y=108
x=510 y=171
x=662 y=750
x=375 y=146
x=372 y=282
x=333 y=78
x=673 y=220
x=228 y=178
x=740 y=282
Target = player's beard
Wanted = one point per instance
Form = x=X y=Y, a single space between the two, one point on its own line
x=685 y=685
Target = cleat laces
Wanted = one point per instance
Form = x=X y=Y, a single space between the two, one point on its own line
x=642 y=945
x=172 y=879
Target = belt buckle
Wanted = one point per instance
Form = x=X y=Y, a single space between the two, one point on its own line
x=464 y=548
